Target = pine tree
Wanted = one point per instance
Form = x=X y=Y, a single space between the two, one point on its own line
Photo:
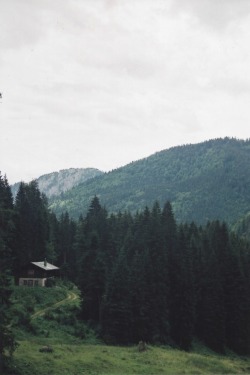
x=158 y=285
x=66 y=253
x=7 y=342
x=32 y=225
x=169 y=227
x=211 y=310
x=237 y=300
x=94 y=261
x=52 y=250
x=79 y=248
x=140 y=297
x=116 y=305
x=182 y=293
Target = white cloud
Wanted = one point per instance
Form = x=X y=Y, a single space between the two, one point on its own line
x=100 y=83
x=217 y=15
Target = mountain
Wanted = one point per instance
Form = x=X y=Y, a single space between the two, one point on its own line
x=204 y=181
x=55 y=183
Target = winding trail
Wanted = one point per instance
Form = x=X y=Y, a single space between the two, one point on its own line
x=72 y=296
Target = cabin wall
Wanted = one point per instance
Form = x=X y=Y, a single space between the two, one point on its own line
x=23 y=281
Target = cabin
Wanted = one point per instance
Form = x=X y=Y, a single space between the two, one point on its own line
x=37 y=273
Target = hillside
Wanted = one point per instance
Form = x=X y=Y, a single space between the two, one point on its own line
x=76 y=350
x=55 y=183
x=205 y=181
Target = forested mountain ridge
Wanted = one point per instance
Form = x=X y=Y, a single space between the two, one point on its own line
x=56 y=183
x=205 y=181
x=179 y=281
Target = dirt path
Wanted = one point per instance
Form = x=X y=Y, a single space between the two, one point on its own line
x=72 y=296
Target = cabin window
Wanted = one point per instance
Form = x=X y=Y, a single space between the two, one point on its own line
x=36 y=282
x=25 y=282
x=30 y=282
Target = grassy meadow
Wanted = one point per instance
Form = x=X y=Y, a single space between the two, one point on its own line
x=49 y=318
x=79 y=358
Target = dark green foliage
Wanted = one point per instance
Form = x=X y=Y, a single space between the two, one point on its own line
x=57 y=314
x=206 y=181
x=116 y=305
x=237 y=297
x=158 y=278
x=142 y=276
x=26 y=300
x=166 y=283
x=211 y=313
x=39 y=234
x=140 y=298
x=182 y=292
x=94 y=250
x=65 y=254
x=7 y=342
x=32 y=226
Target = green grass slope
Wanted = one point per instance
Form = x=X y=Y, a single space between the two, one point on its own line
x=52 y=321
x=205 y=181
x=79 y=359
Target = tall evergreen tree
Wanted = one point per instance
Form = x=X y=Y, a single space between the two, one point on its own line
x=52 y=250
x=79 y=248
x=147 y=278
x=94 y=261
x=32 y=225
x=237 y=301
x=158 y=278
x=66 y=254
x=212 y=305
x=182 y=292
x=169 y=228
x=140 y=296
x=7 y=342
x=116 y=307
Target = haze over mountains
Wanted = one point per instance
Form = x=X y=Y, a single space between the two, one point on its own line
x=205 y=181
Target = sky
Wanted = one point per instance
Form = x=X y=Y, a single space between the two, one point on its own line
x=102 y=83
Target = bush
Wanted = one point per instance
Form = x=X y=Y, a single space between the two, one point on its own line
x=51 y=282
x=20 y=316
x=65 y=315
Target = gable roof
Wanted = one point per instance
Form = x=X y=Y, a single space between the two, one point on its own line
x=45 y=266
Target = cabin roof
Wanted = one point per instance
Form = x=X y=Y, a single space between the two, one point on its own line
x=45 y=266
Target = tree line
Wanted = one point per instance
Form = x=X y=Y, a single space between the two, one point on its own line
x=142 y=276
x=145 y=277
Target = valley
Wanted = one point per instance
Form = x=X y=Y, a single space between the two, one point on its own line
x=157 y=251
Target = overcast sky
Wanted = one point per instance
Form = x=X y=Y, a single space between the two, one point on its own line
x=101 y=83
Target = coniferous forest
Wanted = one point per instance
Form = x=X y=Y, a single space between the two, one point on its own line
x=142 y=276
x=204 y=181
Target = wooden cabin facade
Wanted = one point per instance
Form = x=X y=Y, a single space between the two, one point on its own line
x=37 y=273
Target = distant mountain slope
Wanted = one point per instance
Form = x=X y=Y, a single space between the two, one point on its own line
x=56 y=183
x=205 y=181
